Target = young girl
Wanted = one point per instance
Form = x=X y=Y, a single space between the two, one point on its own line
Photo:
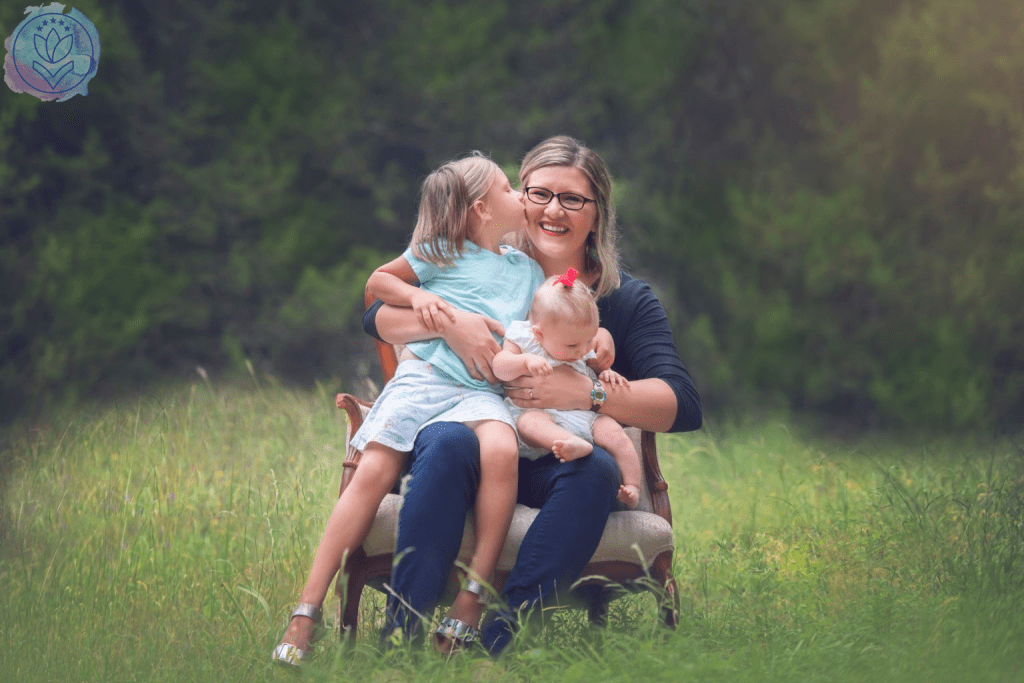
x=561 y=329
x=466 y=206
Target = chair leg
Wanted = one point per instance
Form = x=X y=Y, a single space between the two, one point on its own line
x=597 y=609
x=661 y=571
x=354 y=580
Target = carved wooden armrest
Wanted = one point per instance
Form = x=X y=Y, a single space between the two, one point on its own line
x=656 y=483
x=353 y=407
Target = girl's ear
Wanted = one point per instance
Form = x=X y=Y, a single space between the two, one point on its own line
x=481 y=210
x=537 y=333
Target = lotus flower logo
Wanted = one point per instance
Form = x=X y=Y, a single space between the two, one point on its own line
x=53 y=50
x=52 y=55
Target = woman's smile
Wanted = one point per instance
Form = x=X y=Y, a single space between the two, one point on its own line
x=553 y=229
x=556 y=232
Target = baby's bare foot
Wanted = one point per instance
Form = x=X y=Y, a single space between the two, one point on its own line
x=572 y=448
x=629 y=496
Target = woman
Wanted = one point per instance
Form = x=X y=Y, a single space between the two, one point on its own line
x=570 y=223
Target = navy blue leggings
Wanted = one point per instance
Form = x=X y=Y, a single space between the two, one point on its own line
x=574 y=499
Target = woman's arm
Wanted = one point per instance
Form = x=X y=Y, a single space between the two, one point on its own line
x=470 y=336
x=645 y=403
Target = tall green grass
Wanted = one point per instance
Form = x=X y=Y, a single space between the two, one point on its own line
x=165 y=539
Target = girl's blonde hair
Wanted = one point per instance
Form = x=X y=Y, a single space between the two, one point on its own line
x=601 y=255
x=567 y=304
x=442 y=225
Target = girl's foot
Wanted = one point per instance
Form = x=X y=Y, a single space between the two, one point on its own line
x=460 y=627
x=572 y=448
x=297 y=643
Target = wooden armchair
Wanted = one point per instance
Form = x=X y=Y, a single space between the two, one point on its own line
x=635 y=552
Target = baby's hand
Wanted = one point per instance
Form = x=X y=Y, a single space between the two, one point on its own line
x=432 y=310
x=629 y=495
x=603 y=347
x=537 y=366
x=613 y=378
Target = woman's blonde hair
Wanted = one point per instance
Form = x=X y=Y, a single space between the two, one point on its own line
x=601 y=255
x=568 y=304
x=442 y=225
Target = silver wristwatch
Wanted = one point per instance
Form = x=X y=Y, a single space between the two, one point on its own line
x=597 y=396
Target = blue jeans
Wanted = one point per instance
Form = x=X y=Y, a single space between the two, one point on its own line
x=574 y=499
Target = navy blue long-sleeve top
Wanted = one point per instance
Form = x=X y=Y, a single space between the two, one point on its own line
x=644 y=347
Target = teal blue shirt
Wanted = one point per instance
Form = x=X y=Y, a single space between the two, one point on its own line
x=500 y=286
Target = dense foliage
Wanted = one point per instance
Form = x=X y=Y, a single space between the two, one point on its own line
x=825 y=192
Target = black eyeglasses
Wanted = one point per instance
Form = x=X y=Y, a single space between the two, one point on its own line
x=568 y=200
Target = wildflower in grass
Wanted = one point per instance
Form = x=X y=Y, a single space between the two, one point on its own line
x=773 y=549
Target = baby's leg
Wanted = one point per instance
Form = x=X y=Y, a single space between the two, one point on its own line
x=609 y=435
x=495 y=503
x=347 y=528
x=536 y=428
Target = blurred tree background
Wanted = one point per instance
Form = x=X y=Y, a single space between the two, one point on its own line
x=827 y=194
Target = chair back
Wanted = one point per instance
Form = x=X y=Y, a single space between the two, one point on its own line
x=385 y=352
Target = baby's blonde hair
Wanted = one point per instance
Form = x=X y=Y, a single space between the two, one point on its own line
x=442 y=225
x=555 y=301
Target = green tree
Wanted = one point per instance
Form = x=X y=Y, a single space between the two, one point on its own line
x=868 y=262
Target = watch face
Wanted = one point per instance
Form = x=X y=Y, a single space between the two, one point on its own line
x=598 y=395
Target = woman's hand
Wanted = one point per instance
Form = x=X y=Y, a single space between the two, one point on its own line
x=471 y=337
x=563 y=389
x=431 y=310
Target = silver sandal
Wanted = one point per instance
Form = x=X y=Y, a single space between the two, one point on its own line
x=455 y=633
x=287 y=654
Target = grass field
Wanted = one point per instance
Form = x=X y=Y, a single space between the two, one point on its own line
x=165 y=539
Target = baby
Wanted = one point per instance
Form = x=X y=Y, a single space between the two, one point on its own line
x=561 y=329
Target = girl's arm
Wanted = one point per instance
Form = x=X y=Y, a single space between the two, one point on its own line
x=393 y=282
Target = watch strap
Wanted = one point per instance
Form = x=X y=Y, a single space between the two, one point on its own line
x=597 y=396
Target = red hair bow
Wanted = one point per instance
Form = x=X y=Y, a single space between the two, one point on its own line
x=568 y=279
